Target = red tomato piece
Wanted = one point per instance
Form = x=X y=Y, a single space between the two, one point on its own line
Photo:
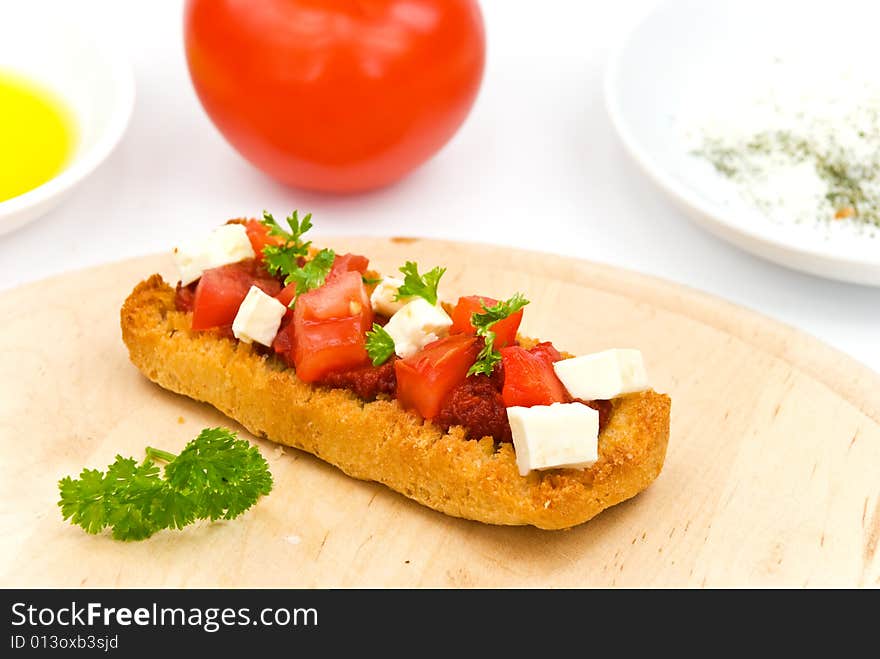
x=505 y=330
x=220 y=292
x=283 y=343
x=529 y=378
x=344 y=295
x=426 y=379
x=321 y=347
x=287 y=294
x=329 y=325
x=547 y=350
x=348 y=263
x=259 y=236
x=336 y=95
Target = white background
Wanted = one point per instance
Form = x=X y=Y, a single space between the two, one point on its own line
x=536 y=166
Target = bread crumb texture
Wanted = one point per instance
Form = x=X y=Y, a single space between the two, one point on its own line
x=380 y=441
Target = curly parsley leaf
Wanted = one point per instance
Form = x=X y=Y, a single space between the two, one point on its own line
x=424 y=286
x=279 y=260
x=298 y=229
x=313 y=273
x=289 y=259
x=84 y=501
x=224 y=475
x=488 y=357
x=286 y=257
x=380 y=345
x=217 y=476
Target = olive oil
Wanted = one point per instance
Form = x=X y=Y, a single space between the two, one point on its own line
x=37 y=136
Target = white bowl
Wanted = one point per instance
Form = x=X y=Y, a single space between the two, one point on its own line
x=91 y=77
x=689 y=56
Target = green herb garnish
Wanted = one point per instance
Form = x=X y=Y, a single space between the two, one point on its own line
x=414 y=284
x=312 y=274
x=284 y=258
x=216 y=476
x=380 y=345
x=289 y=258
x=488 y=357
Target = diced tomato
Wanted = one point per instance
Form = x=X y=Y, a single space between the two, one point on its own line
x=426 y=379
x=340 y=297
x=287 y=294
x=329 y=325
x=258 y=234
x=348 y=263
x=505 y=330
x=283 y=343
x=529 y=378
x=547 y=350
x=220 y=292
x=321 y=347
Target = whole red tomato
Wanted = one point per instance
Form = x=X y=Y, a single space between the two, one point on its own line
x=336 y=95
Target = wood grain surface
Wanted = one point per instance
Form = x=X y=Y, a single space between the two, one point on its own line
x=772 y=476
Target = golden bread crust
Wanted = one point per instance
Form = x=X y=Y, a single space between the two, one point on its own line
x=382 y=442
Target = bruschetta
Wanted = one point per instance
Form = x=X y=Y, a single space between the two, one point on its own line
x=443 y=402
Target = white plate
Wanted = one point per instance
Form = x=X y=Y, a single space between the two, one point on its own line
x=93 y=79
x=690 y=58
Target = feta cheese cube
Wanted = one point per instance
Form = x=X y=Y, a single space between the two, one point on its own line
x=603 y=375
x=229 y=244
x=190 y=263
x=258 y=318
x=226 y=244
x=554 y=436
x=417 y=324
x=382 y=299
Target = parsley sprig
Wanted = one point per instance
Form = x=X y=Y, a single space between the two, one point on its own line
x=313 y=273
x=216 y=476
x=285 y=257
x=380 y=345
x=488 y=357
x=289 y=258
x=424 y=286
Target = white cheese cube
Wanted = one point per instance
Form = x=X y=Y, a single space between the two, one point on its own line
x=258 y=318
x=416 y=325
x=226 y=244
x=603 y=375
x=382 y=299
x=190 y=262
x=554 y=436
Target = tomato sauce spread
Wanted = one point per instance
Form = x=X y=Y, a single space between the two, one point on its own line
x=477 y=403
x=367 y=382
x=185 y=297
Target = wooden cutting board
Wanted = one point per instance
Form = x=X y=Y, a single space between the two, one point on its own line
x=772 y=476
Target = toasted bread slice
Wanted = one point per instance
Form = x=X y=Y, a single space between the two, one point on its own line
x=379 y=440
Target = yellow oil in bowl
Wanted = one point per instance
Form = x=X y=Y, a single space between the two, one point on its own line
x=37 y=135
